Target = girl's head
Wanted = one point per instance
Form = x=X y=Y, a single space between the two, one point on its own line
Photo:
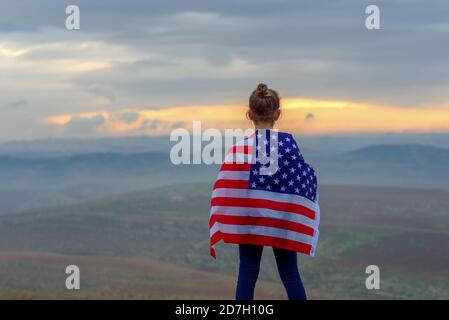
x=264 y=106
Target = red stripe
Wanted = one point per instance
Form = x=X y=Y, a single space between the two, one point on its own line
x=262 y=203
x=262 y=221
x=235 y=166
x=233 y=184
x=240 y=149
x=261 y=241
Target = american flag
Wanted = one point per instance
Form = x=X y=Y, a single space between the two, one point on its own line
x=277 y=209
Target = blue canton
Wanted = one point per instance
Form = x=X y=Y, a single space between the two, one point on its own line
x=293 y=174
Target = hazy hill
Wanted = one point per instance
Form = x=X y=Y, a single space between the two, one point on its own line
x=407 y=154
x=28 y=182
x=386 y=165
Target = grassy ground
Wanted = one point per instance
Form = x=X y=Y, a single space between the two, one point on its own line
x=393 y=228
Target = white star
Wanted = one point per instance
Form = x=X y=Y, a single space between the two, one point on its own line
x=287 y=139
x=304 y=173
x=282 y=188
x=262 y=179
x=288 y=150
x=273 y=136
x=294 y=157
x=276 y=181
x=297 y=190
x=281 y=143
x=272 y=149
x=290 y=183
x=294 y=146
x=268 y=187
x=280 y=155
x=255 y=172
x=292 y=170
x=298 y=177
x=253 y=185
x=284 y=175
x=299 y=165
x=286 y=163
x=259 y=135
x=303 y=185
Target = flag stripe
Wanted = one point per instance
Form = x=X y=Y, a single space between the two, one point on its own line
x=267 y=195
x=262 y=241
x=259 y=221
x=233 y=175
x=262 y=231
x=245 y=149
x=238 y=158
x=264 y=213
x=235 y=166
x=233 y=184
x=261 y=203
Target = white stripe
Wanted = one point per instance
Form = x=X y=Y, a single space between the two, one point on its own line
x=262 y=231
x=265 y=195
x=264 y=213
x=233 y=175
x=238 y=158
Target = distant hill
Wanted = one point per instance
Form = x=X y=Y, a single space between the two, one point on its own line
x=409 y=154
x=28 y=182
x=408 y=165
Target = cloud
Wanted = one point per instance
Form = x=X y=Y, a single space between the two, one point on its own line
x=102 y=92
x=151 y=124
x=129 y=117
x=309 y=117
x=84 y=125
x=16 y=104
x=179 y=124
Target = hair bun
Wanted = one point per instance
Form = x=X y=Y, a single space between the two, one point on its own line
x=262 y=90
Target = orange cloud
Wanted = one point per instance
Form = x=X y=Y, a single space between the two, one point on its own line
x=328 y=116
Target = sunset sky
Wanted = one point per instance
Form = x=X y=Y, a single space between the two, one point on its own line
x=147 y=67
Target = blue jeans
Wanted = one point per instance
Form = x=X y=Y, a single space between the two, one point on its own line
x=286 y=261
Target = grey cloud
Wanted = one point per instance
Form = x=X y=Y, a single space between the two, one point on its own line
x=310 y=117
x=16 y=104
x=179 y=124
x=151 y=124
x=102 y=91
x=82 y=126
x=129 y=117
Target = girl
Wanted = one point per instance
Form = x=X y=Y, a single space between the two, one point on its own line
x=277 y=207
